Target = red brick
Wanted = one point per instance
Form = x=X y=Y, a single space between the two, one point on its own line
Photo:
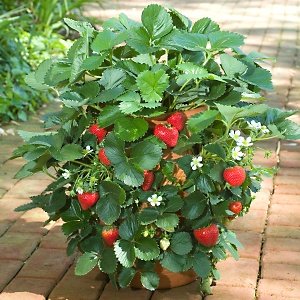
x=8 y=269
x=281 y=271
x=18 y=245
x=283 y=231
x=55 y=239
x=273 y=297
x=38 y=286
x=285 y=199
x=284 y=216
x=283 y=172
x=74 y=287
x=287 y=180
x=253 y=221
x=287 y=189
x=4 y=225
x=188 y=292
x=279 y=288
x=21 y=296
x=261 y=201
x=281 y=244
x=221 y=292
x=241 y=273
x=7 y=207
x=267 y=184
x=251 y=242
x=110 y=293
x=46 y=263
x=284 y=257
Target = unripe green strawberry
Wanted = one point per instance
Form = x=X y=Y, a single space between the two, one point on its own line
x=164 y=244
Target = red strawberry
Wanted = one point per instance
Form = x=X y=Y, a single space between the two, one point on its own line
x=177 y=120
x=110 y=235
x=148 y=180
x=169 y=135
x=99 y=132
x=235 y=176
x=87 y=199
x=236 y=207
x=207 y=236
x=103 y=158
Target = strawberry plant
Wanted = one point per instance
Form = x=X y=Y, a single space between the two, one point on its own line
x=152 y=150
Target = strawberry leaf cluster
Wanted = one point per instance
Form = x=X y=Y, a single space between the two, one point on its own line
x=152 y=150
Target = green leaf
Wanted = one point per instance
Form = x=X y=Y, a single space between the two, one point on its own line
x=93 y=62
x=84 y=28
x=108 y=261
x=289 y=129
x=260 y=77
x=108 y=95
x=157 y=21
x=130 y=129
x=125 y=253
x=150 y=280
x=252 y=110
x=108 y=209
x=106 y=40
x=167 y=221
x=194 y=205
x=146 y=155
x=231 y=65
x=86 y=263
x=57 y=201
x=112 y=78
x=109 y=115
x=190 y=71
x=139 y=40
x=181 y=243
x=173 y=262
x=200 y=121
x=205 y=184
x=130 y=102
x=92 y=244
x=129 y=174
x=146 y=249
x=25 y=207
x=205 y=26
x=67 y=152
x=125 y=277
x=225 y=39
x=174 y=204
x=152 y=85
x=216 y=172
x=216 y=149
x=228 y=112
x=129 y=228
x=108 y=189
x=179 y=20
x=148 y=215
x=202 y=265
x=70 y=227
x=114 y=149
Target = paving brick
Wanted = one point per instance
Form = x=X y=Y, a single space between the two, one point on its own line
x=8 y=269
x=110 y=293
x=285 y=215
x=55 y=239
x=4 y=225
x=287 y=189
x=21 y=296
x=287 y=179
x=283 y=231
x=221 y=292
x=241 y=273
x=38 y=286
x=283 y=172
x=253 y=221
x=285 y=199
x=281 y=244
x=251 y=242
x=2 y=192
x=188 y=292
x=281 y=271
x=18 y=245
x=73 y=287
x=282 y=257
x=7 y=207
x=278 y=288
x=46 y=263
x=261 y=201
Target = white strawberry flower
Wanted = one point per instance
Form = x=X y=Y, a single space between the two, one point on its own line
x=155 y=200
x=244 y=142
x=196 y=162
x=264 y=129
x=79 y=190
x=235 y=134
x=66 y=174
x=254 y=125
x=236 y=153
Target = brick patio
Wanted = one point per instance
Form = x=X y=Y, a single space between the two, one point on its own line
x=33 y=263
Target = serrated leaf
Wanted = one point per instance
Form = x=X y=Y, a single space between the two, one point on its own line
x=93 y=62
x=152 y=85
x=205 y=26
x=112 y=78
x=108 y=210
x=289 y=129
x=179 y=20
x=139 y=40
x=148 y=215
x=112 y=190
x=125 y=277
x=202 y=265
x=129 y=174
x=173 y=262
x=68 y=152
x=167 y=221
x=108 y=115
x=200 y=121
x=194 y=205
x=216 y=149
x=260 y=77
x=130 y=129
x=174 y=204
x=129 y=228
x=190 y=71
x=228 y=112
x=150 y=280
x=146 y=249
x=86 y=263
x=125 y=253
x=157 y=21
x=225 y=39
x=231 y=65
x=181 y=243
x=108 y=261
x=130 y=102
x=25 y=207
x=84 y=28
x=106 y=40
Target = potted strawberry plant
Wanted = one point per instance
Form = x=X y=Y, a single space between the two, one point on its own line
x=152 y=150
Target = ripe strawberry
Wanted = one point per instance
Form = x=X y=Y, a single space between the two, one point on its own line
x=207 y=236
x=87 y=199
x=236 y=207
x=169 y=135
x=177 y=120
x=103 y=158
x=235 y=176
x=148 y=180
x=110 y=235
x=99 y=132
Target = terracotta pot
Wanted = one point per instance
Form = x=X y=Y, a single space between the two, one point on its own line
x=167 y=279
